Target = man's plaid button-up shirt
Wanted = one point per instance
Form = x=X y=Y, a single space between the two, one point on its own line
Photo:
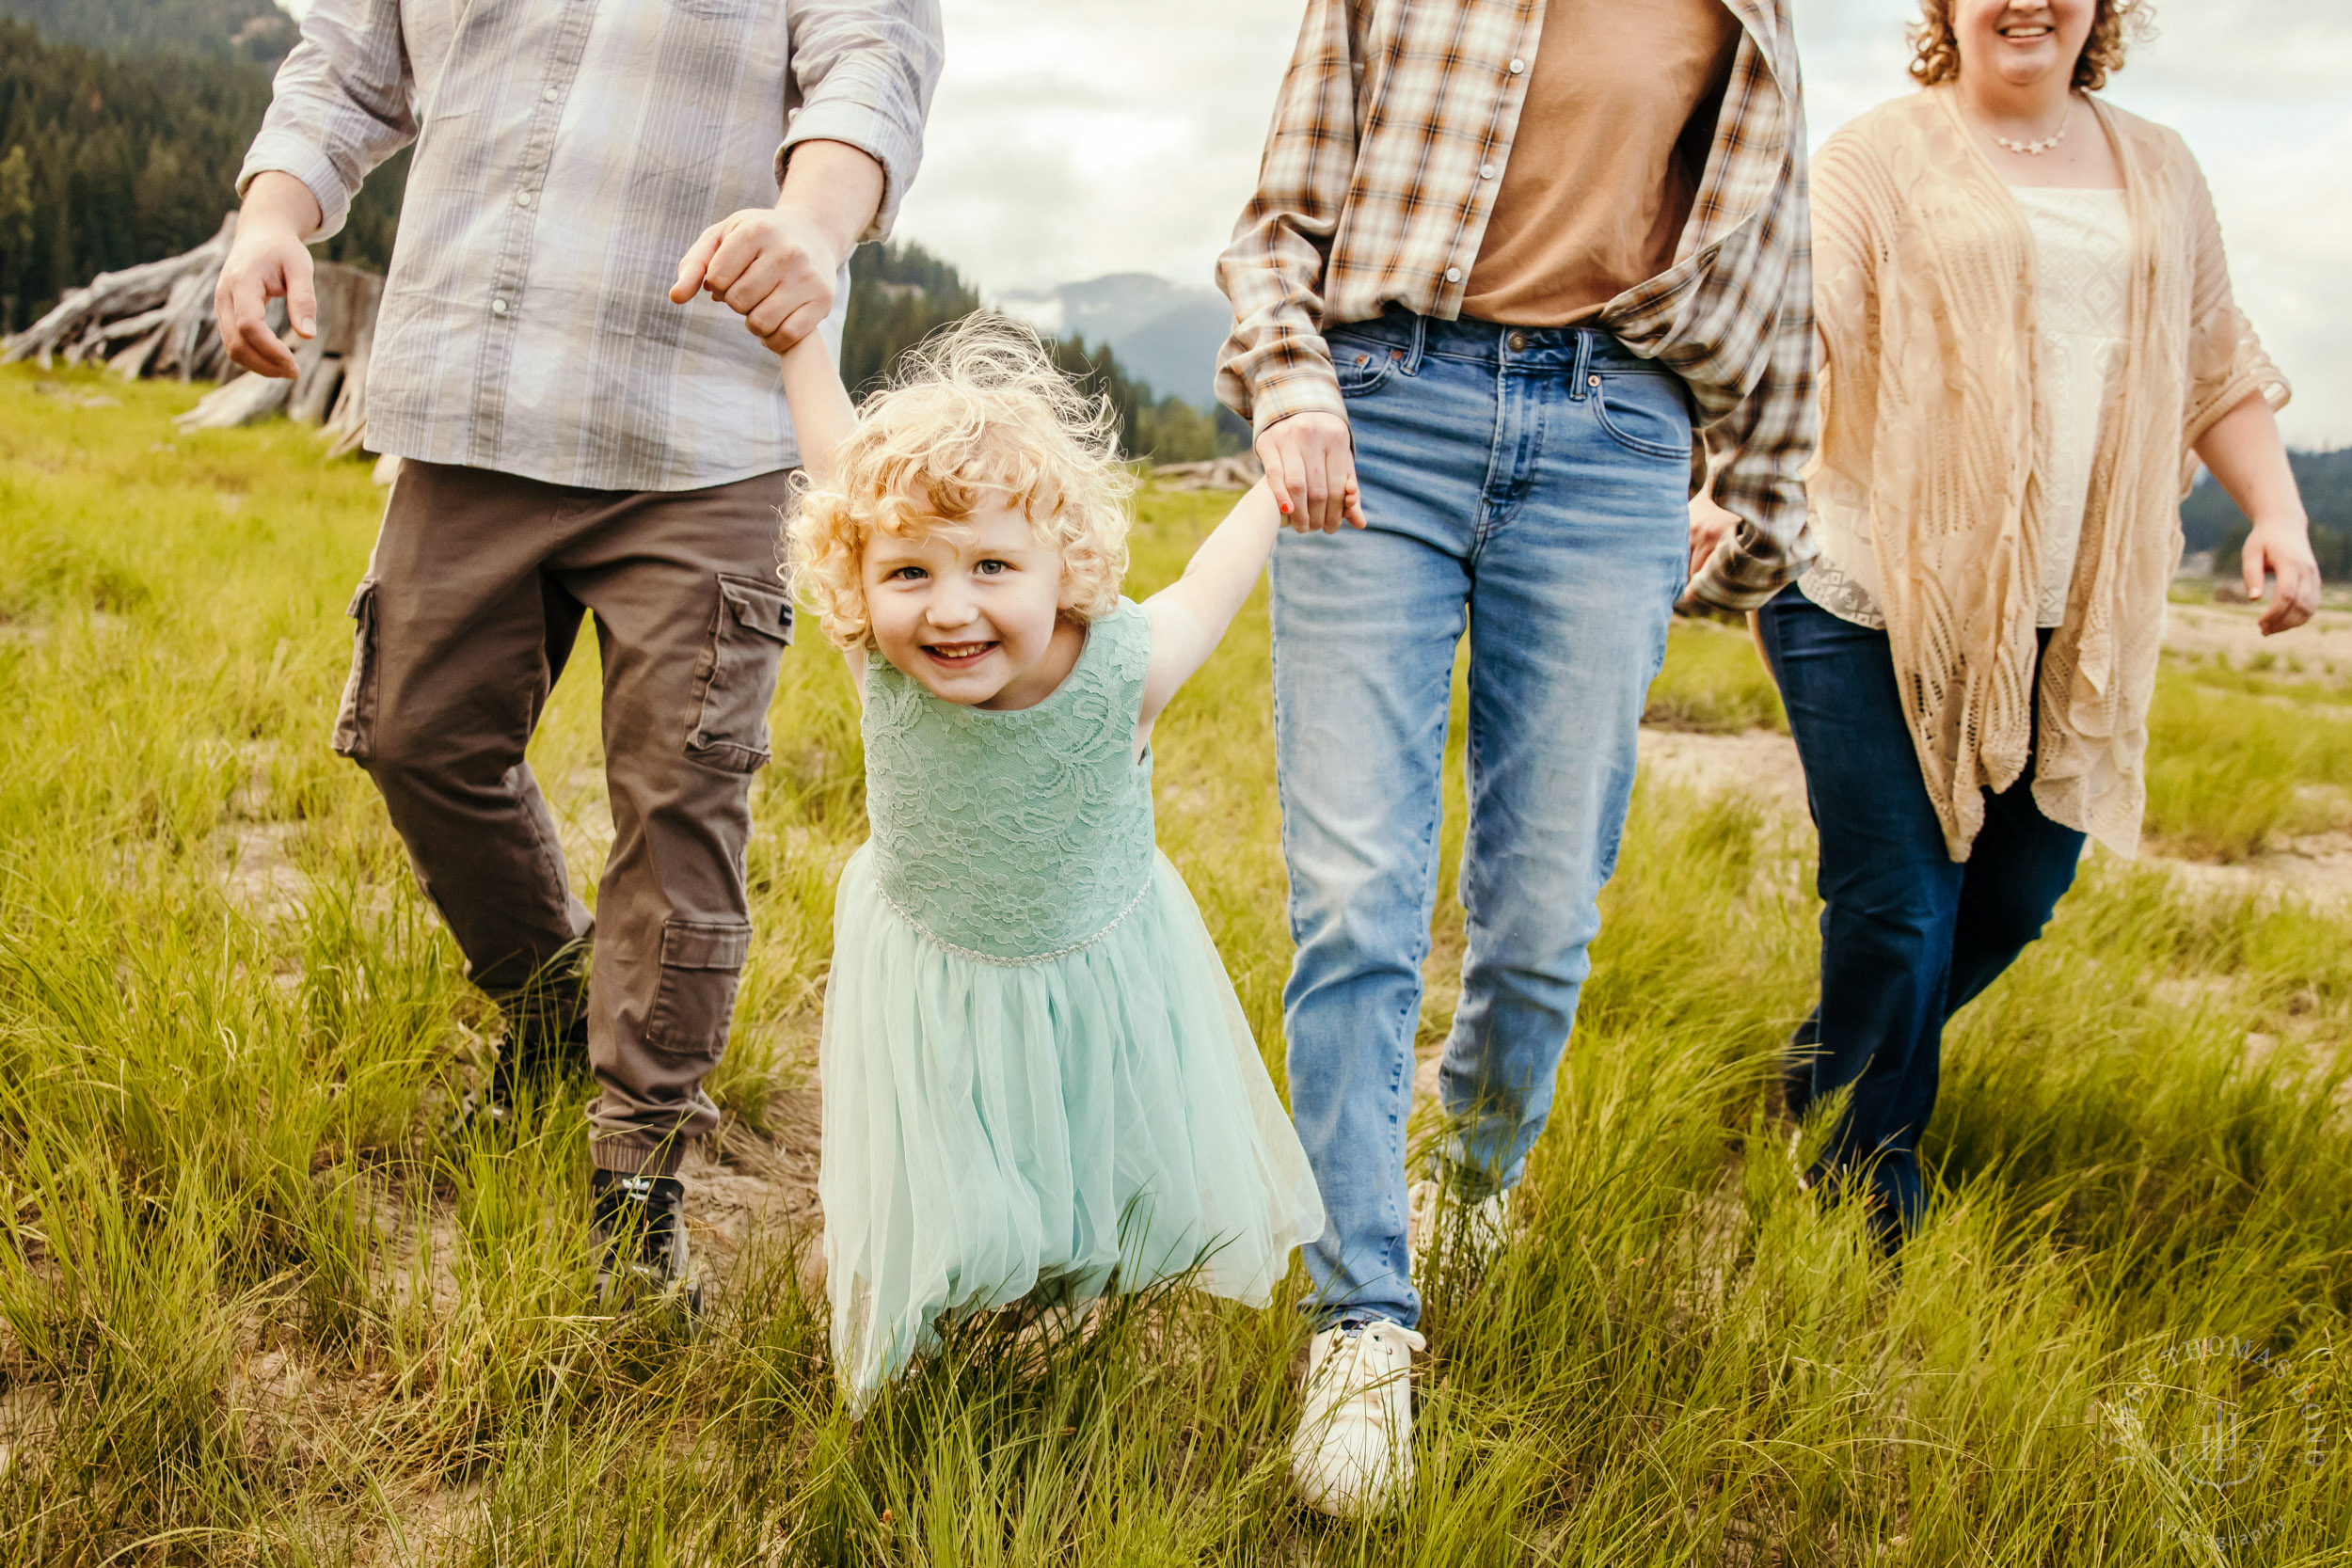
x=1370 y=195
x=566 y=157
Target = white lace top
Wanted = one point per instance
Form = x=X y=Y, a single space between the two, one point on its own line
x=2082 y=261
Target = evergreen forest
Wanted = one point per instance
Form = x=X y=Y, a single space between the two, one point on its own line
x=2210 y=521
x=254 y=31
x=108 y=160
x=901 y=293
x=122 y=124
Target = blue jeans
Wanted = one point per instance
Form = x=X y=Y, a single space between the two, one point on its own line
x=1532 y=481
x=1909 y=936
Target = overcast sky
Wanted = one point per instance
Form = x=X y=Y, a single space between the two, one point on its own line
x=1075 y=138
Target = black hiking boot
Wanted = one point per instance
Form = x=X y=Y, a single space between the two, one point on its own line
x=1796 y=1065
x=640 y=1225
x=533 y=1067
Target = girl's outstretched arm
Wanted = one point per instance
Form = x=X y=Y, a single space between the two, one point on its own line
x=823 y=418
x=822 y=415
x=1189 y=616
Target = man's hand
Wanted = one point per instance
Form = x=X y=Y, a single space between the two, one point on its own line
x=267 y=261
x=771 y=265
x=775 y=267
x=2282 y=549
x=1311 y=469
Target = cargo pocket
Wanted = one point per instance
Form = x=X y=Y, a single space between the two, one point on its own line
x=701 y=960
x=738 y=677
x=354 y=719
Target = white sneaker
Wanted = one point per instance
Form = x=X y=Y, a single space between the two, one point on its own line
x=1485 y=1226
x=1353 y=1456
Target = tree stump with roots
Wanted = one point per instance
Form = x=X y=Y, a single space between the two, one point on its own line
x=156 y=319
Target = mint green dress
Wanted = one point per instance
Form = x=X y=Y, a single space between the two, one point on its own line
x=1038 y=1080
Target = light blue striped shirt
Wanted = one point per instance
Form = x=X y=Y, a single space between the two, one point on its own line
x=567 y=154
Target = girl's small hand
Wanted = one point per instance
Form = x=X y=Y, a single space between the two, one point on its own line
x=2282 y=549
x=1351 y=508
x=1352 y=503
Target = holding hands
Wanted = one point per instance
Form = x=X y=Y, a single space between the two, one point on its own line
x=771 y=265
x=1309 y=464
x=776 y=267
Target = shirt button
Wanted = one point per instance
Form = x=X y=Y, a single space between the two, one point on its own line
x=1454 y=275
x=1518 y=66
x=522 y=199
x=549 y=95
x=1485 y=172
x=498 y=307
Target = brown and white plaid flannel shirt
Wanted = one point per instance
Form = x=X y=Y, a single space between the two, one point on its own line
x=1370 y=195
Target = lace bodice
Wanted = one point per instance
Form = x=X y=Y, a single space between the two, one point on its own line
x=2082 y=241
x=1020 y=835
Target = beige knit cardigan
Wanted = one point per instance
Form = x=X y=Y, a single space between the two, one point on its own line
x=1924 y=290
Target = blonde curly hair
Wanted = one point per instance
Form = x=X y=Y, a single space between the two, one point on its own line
x=978 y=411
x=2115 y=26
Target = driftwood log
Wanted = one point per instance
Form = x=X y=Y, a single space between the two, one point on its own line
x=156 y=319
x=1234 y=471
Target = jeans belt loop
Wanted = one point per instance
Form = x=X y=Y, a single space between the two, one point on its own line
x=1421 y=335
x=1584 y=358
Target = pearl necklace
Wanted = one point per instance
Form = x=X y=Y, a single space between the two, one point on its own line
x=2037 y=149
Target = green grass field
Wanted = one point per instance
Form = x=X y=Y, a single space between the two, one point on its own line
x=251 y=1309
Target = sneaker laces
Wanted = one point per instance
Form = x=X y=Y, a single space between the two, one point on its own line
x=1344 y=1370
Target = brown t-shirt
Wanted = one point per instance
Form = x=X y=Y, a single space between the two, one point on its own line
x=1611 y=141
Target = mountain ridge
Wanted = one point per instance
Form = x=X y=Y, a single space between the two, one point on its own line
x=1164 y=332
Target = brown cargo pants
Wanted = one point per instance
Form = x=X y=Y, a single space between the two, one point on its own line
x=465 y=619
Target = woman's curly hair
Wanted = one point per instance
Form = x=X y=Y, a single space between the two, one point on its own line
x=976 y=413
x=2115 y=25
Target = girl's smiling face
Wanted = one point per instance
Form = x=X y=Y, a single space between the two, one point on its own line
x=973 y=611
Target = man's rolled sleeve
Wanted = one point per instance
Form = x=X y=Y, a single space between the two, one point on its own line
x=865 y=73
x=287 y=152
x=340 y=107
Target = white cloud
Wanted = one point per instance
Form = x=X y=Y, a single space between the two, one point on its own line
x=1075 y=138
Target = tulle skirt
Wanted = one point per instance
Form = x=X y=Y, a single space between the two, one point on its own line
x=1090 y=1123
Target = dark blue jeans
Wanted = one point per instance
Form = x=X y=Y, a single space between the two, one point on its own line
x=1908 y=936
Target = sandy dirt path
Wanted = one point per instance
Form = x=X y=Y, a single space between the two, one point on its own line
x=2319 y=867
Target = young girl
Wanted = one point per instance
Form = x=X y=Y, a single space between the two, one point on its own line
x=1038 y=1082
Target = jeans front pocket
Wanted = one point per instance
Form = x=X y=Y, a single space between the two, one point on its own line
x=749 y=630
x=1363 y=365
x=354 y=717
x=1644 y=412
x=702 y=962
